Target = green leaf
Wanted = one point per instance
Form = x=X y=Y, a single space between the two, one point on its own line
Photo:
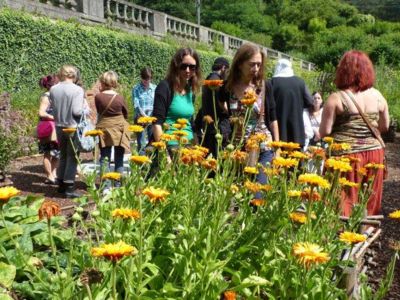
x=12 y=231
x=7 y=274
x=4 y=296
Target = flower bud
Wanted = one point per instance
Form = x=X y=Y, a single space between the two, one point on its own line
x=79 y=209
x=63 y=275
x=76 y=217
x=118 y=236
x=95 y=213
x=230 y=147
x=218 y=136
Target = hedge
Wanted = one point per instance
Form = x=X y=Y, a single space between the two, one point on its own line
x=34 y=46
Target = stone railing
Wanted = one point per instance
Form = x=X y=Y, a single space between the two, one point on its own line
x=139 y=19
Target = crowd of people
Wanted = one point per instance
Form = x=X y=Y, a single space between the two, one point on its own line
x=283 y=110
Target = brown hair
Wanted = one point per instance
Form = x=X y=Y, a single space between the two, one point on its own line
x=48 y=81
x=146 y=73
x=173 y=74
x=243 y=54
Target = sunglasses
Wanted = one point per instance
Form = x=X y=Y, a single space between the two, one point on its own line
x=183 y=67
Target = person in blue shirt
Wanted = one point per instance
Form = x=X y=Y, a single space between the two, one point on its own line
x=143 y=100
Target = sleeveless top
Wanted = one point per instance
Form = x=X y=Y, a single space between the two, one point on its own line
x=350 y=128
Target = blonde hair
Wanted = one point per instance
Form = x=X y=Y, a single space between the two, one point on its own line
x=67 y=71
x=109 y=80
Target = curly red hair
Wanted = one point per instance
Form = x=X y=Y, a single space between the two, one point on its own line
x=355 y=71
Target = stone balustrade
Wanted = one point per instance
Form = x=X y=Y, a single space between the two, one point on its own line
x=139 y=19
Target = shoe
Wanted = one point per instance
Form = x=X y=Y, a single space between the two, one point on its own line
x=61 y=186
x=49 y=181
x=70 y=191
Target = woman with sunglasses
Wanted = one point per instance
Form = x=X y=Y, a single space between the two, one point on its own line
x=174 y=96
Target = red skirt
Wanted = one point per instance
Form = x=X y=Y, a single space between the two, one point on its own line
x=350 y=195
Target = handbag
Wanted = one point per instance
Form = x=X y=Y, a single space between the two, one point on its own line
x=84 y=143
x=375 y=132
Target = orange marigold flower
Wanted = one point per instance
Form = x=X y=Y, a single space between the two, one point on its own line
x=49 y=209
x=250 y=170
x=159 y=145
x=294 y=193
x=270 y=172
x=298 y=217
x=317 y=152
x=202 y=149
x=290 y=146
x=210 y=164
x=114 y=252
x=249 y=98
x=339 y=165
x=126 y=213
x=180 y=133
x=252 y=186
x=112 y=175
x=239 y=156
x=213 y=84
x=340 y=147
x=298 y=155
x=179 y=126
x=135 y=128
x=69 y=130
x=280 y=162
x=258 y=202
x=234 y=188
x=94 y=132
x=155 y=194
x=305 y=194
x=208 y=119
x=275 y=144
x=229 y=295
x=352 y=158
x=351 y=237
x=374 y=166
x=309 y=254
x=140 y=159
x=328 y=139
x=146 y=120
x=8 y=192
x=362 y=171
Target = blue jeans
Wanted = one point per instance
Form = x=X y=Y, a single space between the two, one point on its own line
x=264 y=158
x=118 y=158
x=143 y=139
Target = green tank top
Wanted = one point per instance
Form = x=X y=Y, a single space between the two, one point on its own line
x=181 y=108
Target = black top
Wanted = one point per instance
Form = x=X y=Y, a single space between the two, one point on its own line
x=291 y=97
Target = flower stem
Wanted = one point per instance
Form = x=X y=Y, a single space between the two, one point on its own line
x=114 y=280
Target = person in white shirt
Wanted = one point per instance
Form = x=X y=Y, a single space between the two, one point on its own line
x=312 y=120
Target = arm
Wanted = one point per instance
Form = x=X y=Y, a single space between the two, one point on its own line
x=44 y=104
x=307 y=98
x=124 y=108
x=308 y=130
x=274 y=130
x=157 y=132
x=162 y=102
x=328 y=115
x=384 y=119
x=79 y=103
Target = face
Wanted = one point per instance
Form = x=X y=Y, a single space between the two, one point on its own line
x=187 y=67
x=146 y=82
x=251 y=67
x=317 y=101
x=224 y=71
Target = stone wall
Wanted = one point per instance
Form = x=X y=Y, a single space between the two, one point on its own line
x=140 y=20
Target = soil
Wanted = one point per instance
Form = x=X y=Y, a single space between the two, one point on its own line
x=27 y=176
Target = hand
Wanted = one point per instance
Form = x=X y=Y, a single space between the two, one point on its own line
x=278 y=153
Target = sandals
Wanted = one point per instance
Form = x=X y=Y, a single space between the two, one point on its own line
x=49 y=181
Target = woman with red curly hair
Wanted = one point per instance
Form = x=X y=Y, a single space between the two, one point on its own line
x=342 y=119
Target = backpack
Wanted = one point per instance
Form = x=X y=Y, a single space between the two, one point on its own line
x=84 y=143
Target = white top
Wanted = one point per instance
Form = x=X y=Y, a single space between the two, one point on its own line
x=311 y=125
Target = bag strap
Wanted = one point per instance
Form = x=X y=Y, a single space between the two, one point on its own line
x=107 y=107
x=375 y=132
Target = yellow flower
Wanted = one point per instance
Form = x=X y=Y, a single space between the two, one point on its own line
x=249 y=98
x=351 y=237
x=126 y=213
x=114 y=252
x=140 y=159
x=182 y=121
x=317 y=152
x=251 y=186
x=315 y=180
x=270 y=172
x=280 y=162
x=234 y=188
x=298 y=217
x=309 y=253
x=337 y=164
x=258 y=202
x=49 y=209
x=294 y=193
x=180 y=133
x=191 y=155
x=69 y=130
x=374 y=166
x=298 y=155
x=155 y=194
x=94 y=132
x=213 y=84
x=328 y=139
x=179 y=126
x=239 y=156
x=8 y=192
x=340 y=147
x=395 y=215
x=343 y=181
x=275 y=144
x=112 y=176
x=208 y=119
x=202 y=149
x=167 y=137
x=159 y=145
x=135 y=128
x=251 y=170
x=146 y=120
x=290 y=146
x=362 y=171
